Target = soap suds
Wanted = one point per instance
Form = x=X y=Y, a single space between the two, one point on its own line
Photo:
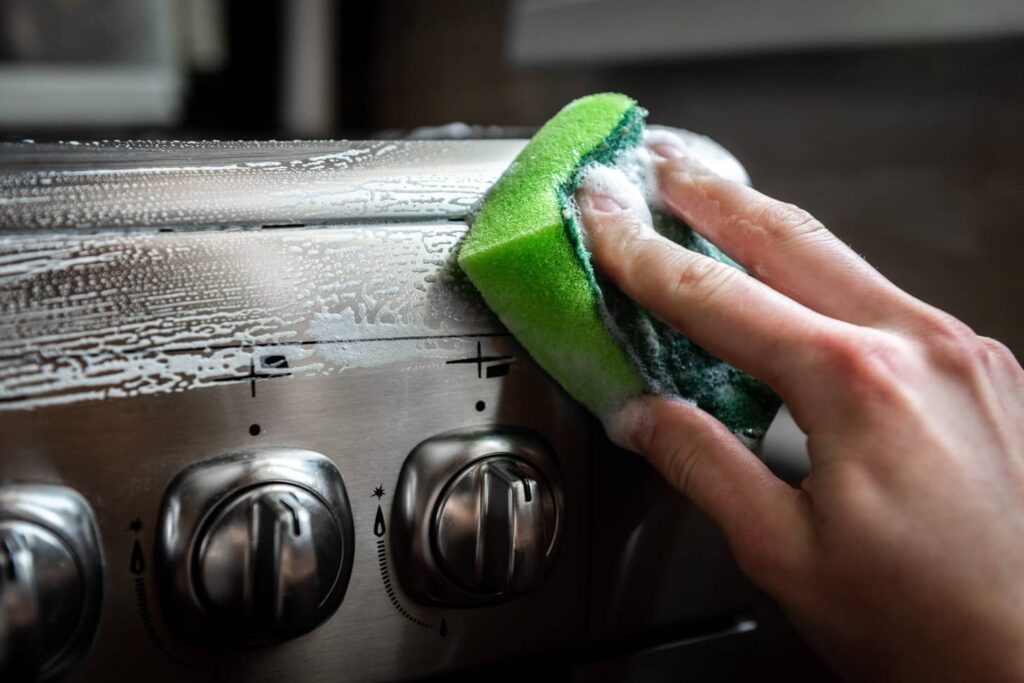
x=702 y=148
x=615 y=183
x=105 y=316
x=631 y=425
x=670 y=364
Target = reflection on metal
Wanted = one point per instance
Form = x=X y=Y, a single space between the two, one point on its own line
x=128 y=185
x=131 y=310
x=117 y=315
x=477 y=516
x=255 y=547
x=51 y=580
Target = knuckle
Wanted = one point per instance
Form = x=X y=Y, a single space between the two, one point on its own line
x=953 y=346
x=784 y=222
x=997 y=348
x=700 y=278
x=850 y=487
x=623 y=258
x=940 y=327
x=998 y=352
x=871 y=361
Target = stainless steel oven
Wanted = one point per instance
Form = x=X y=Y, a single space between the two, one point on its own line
x=256 y=425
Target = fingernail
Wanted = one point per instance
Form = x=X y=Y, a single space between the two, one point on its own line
x=667 y=150
x=683 y=162
x=602 y=202
x=607 y=190
x=630 y=426
x=664 y=145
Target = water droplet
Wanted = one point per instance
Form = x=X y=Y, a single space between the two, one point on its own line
x=378 y=524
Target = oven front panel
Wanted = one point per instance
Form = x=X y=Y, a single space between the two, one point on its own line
x=353 y=342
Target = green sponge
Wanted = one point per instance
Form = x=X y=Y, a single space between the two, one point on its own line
x=526 y=255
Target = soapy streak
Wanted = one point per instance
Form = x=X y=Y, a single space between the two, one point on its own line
x=114 y=315
x=190 y=185
x=101 y=382
x=310 y=342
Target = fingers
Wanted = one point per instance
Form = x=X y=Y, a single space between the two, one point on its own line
x=732 y=315
x=781 y=244
x=764 y=519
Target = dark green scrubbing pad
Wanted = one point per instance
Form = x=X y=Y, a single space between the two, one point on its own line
x=526 y=256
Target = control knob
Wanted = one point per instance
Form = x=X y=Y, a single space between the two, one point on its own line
x=255 y=547
x=494 y=526
x=477 y=517
x=267 y=560
x=51 y=581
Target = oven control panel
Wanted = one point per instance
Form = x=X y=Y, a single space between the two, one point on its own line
x=390 y=521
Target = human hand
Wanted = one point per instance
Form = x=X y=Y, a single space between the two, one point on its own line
x=902 y=555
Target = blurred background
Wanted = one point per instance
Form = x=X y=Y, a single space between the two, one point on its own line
x=897 y=122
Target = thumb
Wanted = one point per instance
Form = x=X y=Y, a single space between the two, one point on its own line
x=764 y=519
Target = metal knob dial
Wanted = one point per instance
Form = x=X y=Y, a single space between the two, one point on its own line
x=494 y=527
x=477 y=516
x=269 y=558
x=254 y=547
x=50 y=580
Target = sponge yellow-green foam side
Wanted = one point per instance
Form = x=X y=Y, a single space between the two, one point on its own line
x=525 y=255
x=520 y=257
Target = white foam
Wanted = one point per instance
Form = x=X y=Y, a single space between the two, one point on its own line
x=613 y=181
x=631 y=425
x=709 y=153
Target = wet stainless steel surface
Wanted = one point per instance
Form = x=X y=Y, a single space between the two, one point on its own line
x=105 y=316
x=133 y=310
x=132 y=184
